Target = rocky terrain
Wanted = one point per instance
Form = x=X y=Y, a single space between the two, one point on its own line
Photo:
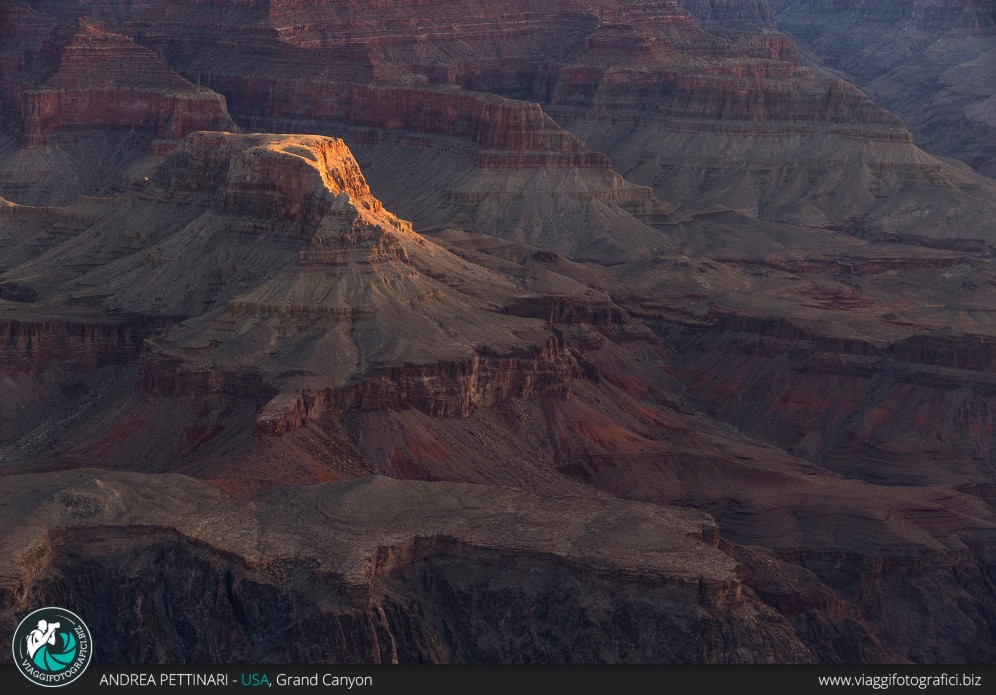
x=587 y=331
x=387 y=583
x=930 y=61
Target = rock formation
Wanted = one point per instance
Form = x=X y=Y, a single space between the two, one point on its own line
x=931 y=61
x=86 y=101
x=396 y=570
x=643 y=302
x=105 y=81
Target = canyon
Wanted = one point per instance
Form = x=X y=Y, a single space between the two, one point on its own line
x=931 y=62
x=585 y=331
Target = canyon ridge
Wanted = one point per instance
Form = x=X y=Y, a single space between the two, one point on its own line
x=587 y=331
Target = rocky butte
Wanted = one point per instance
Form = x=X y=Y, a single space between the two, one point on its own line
x=581 y=331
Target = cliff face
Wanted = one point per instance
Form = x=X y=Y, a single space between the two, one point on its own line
x=74 y=91
x=28 y=347
x=731 y=14
x=930 y=61
x=441 y=390
x=666 y=101
x=451 y=389
x=914 y=411
x=105 y=81
x=647 y=49
x=795 y=349
x=707 y=106
x=503 y=132
x=390 y=594
x=265 y=177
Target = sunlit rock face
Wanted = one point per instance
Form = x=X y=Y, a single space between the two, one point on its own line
x=584 y=331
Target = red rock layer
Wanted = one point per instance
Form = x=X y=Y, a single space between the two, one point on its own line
x=646 y=57
x=104 y=81
x=373 y=344
x=451 y=389
x=28 y=347
x=917 y=411
x=503 y=132
x=616 y=58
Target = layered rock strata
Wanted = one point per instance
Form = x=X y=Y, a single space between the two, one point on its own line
x=400 y=566
x=106 y=81
x=929 y=61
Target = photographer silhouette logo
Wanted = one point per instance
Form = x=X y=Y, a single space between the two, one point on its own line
x=52 y=647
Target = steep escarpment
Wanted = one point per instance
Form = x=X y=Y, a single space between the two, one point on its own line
x=363 y=285
x=929 y=61
x=414 y=584
x=106 y=81
x=84 y=103
x=265 y=177
x=657 y=258
x=502 y=132
x=730 y=116
x=29 y=346
x=23 y=30
x=731 y=14
x=446 y=389
x=914 y=411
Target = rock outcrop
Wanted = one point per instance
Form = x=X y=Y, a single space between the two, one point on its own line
x=684 y=334
x=930 y=61
x=85 y=102
x=381 y=571
x=292 y=179
x=348 y=309
x=106 y=81
x=364 y=295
